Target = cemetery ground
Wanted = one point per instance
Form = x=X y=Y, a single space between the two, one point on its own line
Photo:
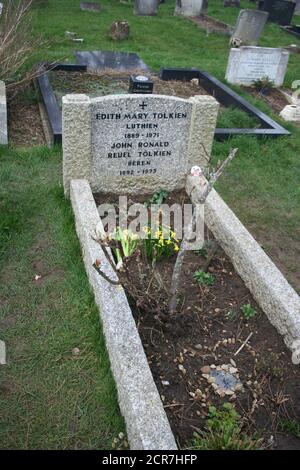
x=58 y=379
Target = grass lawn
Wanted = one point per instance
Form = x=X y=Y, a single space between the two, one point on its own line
x=49 y=397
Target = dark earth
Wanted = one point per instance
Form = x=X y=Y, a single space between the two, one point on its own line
x=208 y=329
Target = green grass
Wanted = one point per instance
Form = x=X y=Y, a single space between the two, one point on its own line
x=291 y=426
x=48 y=398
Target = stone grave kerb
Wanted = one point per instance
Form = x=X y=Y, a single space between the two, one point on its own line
x=117 y=147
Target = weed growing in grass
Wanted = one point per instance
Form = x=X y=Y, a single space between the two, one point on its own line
x=157 y=198
x=291 y=426
x=248 y=311
x=224 y=432
x=204 y=278
x=207 y=246
x=263 y=84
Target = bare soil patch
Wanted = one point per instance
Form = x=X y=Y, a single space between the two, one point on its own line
x=24 y=122
x=211 y=25
x=274 y=98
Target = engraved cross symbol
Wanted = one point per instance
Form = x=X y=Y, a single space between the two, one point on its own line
x=143 y=105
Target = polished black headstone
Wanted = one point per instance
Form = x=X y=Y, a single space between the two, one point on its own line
x=98 y=60
x=280 y=11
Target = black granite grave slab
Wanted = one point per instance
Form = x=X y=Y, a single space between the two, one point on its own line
x=214 y=87
x=294 y=30
x=98 y=60
x=228 y=97
x=90 y=6
x=280 y=11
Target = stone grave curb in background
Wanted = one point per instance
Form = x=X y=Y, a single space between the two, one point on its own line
x=3 y=115
x=146 y=421
x=49 y=109
x=270 y=289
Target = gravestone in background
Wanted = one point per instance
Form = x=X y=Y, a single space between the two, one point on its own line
x=90 y=6
x=232 y=3
x=146 y=7
x=247 y=64
x=249 y=26
x=190 y=7
x=280 y=11
x=99 y=60
x=291 y=113
x=297 y=8
x=136 y=144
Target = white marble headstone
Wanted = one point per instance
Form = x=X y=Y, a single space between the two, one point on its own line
x=248 y=64
x=189 y=7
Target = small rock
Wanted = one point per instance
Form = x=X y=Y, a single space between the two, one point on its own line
x=229 y=392
x=182 y=369
x=211 y=380
x=233 y=370
x=214 y=386
x=2 y=353
x=238 y=387
x=75 y=351
x=165 y=382
x=233 y=362
x=205 y=369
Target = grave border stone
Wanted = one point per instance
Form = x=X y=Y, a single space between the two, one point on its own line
x=292 y=29
x=146 y=421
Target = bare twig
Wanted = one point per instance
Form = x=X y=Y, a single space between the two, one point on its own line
x=244 y=344
x=114 y=283
x=181 y=253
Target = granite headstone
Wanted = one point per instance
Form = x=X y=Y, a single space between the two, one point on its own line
x=146 y=7
x=136 y=143
x=280 y=11
x=249 y=26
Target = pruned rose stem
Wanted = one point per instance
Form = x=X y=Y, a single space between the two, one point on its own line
x=176 y=276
